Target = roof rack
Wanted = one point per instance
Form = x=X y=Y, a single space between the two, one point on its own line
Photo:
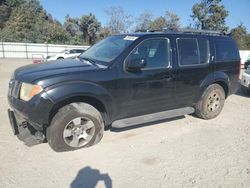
x=185 y=30
x=165 y=30
x=157 y=30
x=203 y=31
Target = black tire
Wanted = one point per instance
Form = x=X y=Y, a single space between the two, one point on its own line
x=245 y=90
x=60 y=58
x=65 y=115
x=211 y=103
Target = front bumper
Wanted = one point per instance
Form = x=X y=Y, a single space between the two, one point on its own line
x=24 y=131
x=29 y=119
x=36 y=111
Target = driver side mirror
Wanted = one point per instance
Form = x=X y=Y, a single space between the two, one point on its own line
x=136 y=64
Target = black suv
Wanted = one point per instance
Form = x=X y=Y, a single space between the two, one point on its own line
x=121 y=81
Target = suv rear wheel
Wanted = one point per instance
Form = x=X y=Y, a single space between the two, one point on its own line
x=211 y=103
x=75 y=126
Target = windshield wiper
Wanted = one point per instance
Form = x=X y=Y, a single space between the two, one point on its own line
x=88 y=59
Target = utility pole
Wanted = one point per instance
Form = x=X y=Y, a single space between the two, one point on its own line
x=3 y=50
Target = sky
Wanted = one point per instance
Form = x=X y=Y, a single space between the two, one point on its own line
x=238 y=9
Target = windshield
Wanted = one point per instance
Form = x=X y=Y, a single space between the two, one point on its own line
x=108 y=49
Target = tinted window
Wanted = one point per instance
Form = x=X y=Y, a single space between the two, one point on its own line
x=155 y=51
x=73 y=51
x=226 y=50
x=188 y=52
x=204 y=50
x=79 y=51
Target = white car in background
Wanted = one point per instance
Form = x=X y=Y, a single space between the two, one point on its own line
x=245 y=81
x=65 y=54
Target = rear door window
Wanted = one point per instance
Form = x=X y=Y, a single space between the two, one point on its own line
x=188 y=52
x=192 y=51
x=226 y=50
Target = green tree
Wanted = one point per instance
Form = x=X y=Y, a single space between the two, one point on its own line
x=239 y=34
x=104 y=32
x=241 y=37
x=247 y=42
x=169 y=21
x=71 y=25
x=56 y=33
x=28 y=22
x=158 y=23
x=6 y=7
x=21 y=24
x=4 y=14
x=90 y=26
x=172 y=20
x=210 y=14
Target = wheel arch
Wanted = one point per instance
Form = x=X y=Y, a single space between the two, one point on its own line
x=224 y=85
x=219 y=78
x=93 y=101
x=81 y=91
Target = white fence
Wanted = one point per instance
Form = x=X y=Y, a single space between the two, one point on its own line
x=27 y=50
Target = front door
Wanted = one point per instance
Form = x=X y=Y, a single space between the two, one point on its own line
x=149 y=89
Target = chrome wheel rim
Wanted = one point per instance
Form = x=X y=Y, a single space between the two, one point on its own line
x=78 y=132
x=214 y=102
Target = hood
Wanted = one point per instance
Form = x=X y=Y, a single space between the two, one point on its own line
x=31 y=73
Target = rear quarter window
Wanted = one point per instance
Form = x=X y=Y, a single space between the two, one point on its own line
x=226 y=50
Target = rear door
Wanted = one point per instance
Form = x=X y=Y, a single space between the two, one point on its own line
x=194 y=64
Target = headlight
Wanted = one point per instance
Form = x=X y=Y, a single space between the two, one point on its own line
x=28 y=91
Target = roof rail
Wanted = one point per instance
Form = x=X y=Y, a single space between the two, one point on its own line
x=186 y=30
x=202 y=31
x=158 y=30
x=165 y=30
x=142 y=31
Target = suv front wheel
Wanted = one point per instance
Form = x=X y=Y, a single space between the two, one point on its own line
x=211 y=103
x=75 y=126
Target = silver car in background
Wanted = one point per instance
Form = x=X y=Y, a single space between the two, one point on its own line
x=245 y=81
x=66 y=54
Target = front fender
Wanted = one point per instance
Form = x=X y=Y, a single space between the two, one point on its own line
x=66 y=90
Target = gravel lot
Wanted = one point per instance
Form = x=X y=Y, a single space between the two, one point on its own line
x=184 y=152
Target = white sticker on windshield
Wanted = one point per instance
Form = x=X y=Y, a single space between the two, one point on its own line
x=130 y=38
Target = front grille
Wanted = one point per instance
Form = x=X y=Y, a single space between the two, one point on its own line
x=14 y=88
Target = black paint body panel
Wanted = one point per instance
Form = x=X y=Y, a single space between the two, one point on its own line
x=123 y=94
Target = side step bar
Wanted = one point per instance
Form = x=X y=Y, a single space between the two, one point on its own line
x=122 y=123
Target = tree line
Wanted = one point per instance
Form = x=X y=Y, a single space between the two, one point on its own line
x=28 y=21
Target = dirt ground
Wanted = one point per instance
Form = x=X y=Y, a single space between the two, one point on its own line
x=184 y=152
